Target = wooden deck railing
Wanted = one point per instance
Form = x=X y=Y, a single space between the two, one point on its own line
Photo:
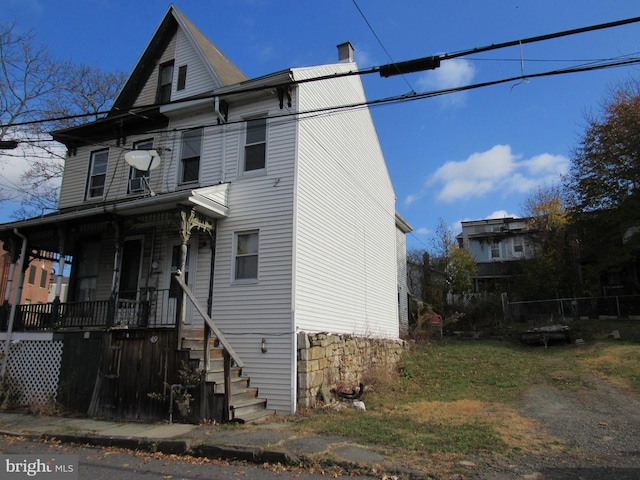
x=143 y=309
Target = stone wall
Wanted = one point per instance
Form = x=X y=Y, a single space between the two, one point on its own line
x=328 y=361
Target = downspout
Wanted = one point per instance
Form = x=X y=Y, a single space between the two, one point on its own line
x=212 y=238
x=14 y=305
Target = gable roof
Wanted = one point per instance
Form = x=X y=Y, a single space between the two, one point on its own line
x=219 y=66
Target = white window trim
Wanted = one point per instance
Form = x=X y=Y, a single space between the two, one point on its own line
x=90 y=176
x=241 y=164
x=234 y=250
x=134 y=170
x=180 y=169
x=497 y=244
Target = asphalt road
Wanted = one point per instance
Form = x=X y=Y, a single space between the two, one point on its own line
x=108 y=463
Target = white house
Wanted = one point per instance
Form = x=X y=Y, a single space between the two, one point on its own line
x=268 y=195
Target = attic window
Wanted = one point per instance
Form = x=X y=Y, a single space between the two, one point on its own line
x=165 y=77
x=182 y=77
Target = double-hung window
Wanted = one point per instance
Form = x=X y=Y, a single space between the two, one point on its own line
x=190 y=156
x=97 y=174
x=246 y=256
x=139 y=179
x=255 y=150
x=165 y=79
x=494 y=251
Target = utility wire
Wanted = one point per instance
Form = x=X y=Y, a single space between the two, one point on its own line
x=446 y=56
x=380 y=42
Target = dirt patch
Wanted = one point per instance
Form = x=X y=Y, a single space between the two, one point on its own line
x=591 y=434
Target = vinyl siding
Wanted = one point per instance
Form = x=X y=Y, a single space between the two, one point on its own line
x=345 y=215
x=199 y=78
x=247 y=313
x=148 y=93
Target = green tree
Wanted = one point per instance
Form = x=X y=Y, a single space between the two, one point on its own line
x=549 y=267
x=603 y=185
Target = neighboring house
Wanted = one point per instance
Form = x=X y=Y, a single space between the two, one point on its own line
x=260 y=210
x=39 y=278
x=497 y=245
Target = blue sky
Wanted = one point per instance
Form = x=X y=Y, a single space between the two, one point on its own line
x=455 y=157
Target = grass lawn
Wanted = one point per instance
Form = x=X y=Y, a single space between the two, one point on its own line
x=453 y=398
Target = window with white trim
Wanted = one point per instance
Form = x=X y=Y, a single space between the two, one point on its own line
x=97 y=174
x=165 y=80
x=518 y=246
x=255 y=149
x=139 y=179
x=245 y=256
x=494 y=251
x=190 y=156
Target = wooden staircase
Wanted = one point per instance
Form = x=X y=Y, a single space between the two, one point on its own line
x=244 y=404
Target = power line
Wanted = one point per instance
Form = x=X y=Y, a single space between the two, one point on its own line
x=380 y=42
x=391 y=69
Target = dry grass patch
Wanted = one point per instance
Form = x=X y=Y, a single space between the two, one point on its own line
x=617 y=363
x=517 y=432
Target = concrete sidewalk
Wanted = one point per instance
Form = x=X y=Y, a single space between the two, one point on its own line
x=263 y=443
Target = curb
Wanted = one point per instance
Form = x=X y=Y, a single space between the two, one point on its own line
x=170 y=447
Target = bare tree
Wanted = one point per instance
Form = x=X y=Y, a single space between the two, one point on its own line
x=39 y=94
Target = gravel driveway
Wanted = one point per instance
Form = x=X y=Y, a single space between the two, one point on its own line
x=598 y=432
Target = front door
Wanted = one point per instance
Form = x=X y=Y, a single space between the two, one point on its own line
x=130 y=308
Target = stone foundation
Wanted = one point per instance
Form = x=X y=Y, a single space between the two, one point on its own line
x=328 y=361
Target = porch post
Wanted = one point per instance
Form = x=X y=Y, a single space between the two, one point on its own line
x=113 y=300
x=62 y=237
x=22 y=265
x=55 y=311
x=185 y=235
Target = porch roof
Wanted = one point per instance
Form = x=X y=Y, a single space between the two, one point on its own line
x=210 y=201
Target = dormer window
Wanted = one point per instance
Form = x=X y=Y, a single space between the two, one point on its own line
x=182 y=77
x=165 y=79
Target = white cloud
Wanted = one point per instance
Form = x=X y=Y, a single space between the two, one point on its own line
x=451 y=74
x=423 y=231
x=497 y=171
x=501 y=214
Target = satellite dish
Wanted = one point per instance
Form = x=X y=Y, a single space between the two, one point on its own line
x=143 y=160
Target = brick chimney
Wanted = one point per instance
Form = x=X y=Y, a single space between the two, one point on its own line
x=345 y=52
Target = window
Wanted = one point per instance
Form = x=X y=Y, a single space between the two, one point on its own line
x=139 y=179
x=44 y=276
x=32 y=275
x=246 y=256
x=255 y=145
x=165 y=77
x=182 y=77
x=190 y=156
x=495 y=250
x=97 y=174
x=518 y=247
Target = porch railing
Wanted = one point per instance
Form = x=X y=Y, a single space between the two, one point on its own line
x=151 y=308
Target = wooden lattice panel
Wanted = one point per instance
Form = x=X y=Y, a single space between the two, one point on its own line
x=34 y=369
